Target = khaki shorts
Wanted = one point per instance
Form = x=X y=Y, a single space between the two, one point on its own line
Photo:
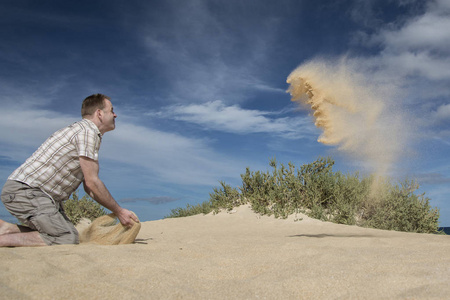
x=36 y=210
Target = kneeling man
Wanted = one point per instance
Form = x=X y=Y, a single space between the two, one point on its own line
x=34 y=192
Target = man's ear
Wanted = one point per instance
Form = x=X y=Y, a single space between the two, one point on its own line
x=99 y=114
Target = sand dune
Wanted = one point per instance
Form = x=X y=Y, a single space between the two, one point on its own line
x=236 y=256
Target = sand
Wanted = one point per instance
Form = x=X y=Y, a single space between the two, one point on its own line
x=236 y=256
x=365 y=120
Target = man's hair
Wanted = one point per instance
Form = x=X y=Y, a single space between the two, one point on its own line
x=92 y=103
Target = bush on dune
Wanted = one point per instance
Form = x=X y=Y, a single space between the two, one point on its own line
x=76 y=208
x=398 y=208
x=326 y=195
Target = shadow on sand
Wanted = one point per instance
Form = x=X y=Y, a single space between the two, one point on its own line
x=324 y=235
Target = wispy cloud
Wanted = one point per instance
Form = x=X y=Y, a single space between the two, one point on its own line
x=152 y=200
x=168 y=156
x=415 y=58
x=432 y=178
x=216 y=115
x=210 y=53
x=442 y=114
x=172 y=157
x=415 y=47
x=28 y=128
x=414 y=62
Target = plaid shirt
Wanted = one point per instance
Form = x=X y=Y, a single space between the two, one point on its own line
x=55 y=166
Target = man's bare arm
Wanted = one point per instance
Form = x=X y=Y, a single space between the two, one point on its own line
x=95 y=188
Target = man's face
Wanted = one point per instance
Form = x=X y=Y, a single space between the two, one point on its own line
x=108 y=116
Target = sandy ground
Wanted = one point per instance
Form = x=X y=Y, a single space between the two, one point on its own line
x=236 y=256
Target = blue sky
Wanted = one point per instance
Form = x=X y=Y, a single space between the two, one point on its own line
x=199 y=87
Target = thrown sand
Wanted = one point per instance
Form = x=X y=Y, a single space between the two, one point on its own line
x=236 y=256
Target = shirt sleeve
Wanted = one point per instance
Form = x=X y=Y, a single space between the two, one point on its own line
x=87 y=143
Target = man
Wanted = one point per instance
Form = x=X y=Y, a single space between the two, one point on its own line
x=34 y=192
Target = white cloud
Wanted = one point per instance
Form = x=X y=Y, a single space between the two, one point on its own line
x=432 y=178
x=169 y=157
x=216 y=115
x=434 y=68
x=152 y=200
x=426 y=32
x=443 y=113
x=172 y=157
x=419 y=46
x=414 y=63
x=23 y=130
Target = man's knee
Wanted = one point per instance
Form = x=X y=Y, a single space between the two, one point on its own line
x=54 y=228
x=62 y=239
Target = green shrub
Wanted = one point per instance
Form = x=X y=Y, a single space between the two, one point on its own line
x=225 y=197
x=400 y=209
x=86 y=207
x=326 y=195
x=202 y=208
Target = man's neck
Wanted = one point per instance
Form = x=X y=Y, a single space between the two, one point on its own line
x=96 y=123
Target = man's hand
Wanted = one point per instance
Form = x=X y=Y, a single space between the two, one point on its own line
x=127 y=218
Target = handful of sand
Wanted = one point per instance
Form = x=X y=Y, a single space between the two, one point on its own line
x=107 y=230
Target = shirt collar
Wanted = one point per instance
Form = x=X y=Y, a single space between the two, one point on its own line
x=93 y=126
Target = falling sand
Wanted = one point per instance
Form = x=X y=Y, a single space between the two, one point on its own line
x=353 y=113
